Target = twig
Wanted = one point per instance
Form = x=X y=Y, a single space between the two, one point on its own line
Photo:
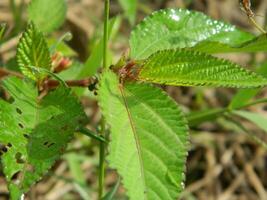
x=50 y=84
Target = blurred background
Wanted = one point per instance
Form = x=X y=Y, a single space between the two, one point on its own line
x=228 y=158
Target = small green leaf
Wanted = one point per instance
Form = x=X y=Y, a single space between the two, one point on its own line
x=149 y=138
x=243 y=97
x=47 y=14
x=130 y=9
x=255 y=118
x=182 y=67
x=35 y=132
x=110 y=195
x=254 y=45
x=179 y=28
x=33 y=51
x=2 y=30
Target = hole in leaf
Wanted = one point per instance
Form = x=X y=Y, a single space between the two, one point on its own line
x=18 y=111
x=50 y=145
x=9 y=145
x=19 y=158
x=3 y=148
x=26 y=136
x=15 y=177
x=21 y=125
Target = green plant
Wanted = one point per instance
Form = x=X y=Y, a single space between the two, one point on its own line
x=149 y=138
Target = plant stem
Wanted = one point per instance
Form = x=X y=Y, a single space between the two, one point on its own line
x=91 y=134
x=102 y=148
x=105 y=49
x=102 y=145
x=203 y=116
x=16 y=12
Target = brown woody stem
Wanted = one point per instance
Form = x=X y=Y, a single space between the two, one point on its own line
x=50 y=84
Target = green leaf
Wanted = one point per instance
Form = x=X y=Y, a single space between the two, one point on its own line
x=149 y=138
x=182 y=67
x=35 y=132
x=2 y=30
x=245 y=95
x=254 y=45
x=255 y=118
x=242 y=97
x=48 y=15
x=110 y=195
x=130 y=9
x=179 y=28
x=33 y=51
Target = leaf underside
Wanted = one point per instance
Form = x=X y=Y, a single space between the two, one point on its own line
x=34 y=132
x=182 y=67
x=33 y=51
x=180 y=28
x=149 y=138
x=48 y=15
x=256 y=44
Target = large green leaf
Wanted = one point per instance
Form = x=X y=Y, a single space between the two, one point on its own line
x=33 y=51
x=130 y=8
x=34 y=132
x=179 y=28
x=149 y=138
x=47 y=14
x=182 y=67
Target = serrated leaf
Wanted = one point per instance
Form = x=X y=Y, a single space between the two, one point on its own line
x=34 y=132
x=47 y=14
x=245 y=95
x=130 y=9
x=33 y=51
x=149 y=138
x=179 y=28
x=181 y=67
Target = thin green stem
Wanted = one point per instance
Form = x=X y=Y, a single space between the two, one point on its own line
x=91 y=134
x=195 y=119
x=16 y=12
x=102 y=145
x=102 y=148
x=106 y=19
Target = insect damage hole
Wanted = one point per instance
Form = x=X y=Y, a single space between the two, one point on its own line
x=18 y=111
x=19 y=158
x=20 y=125
x=15 y=178
x=48 y=144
